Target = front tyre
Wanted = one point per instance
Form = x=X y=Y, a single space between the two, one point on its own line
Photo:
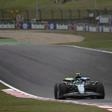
x=59 y=90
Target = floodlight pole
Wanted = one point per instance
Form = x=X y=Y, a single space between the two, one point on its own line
x=95 y=4
x=37 y=10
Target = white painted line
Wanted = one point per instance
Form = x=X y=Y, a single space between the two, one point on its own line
x=105 y=106
x=16 y=93
x=90 y=49
x=109 y=109
x=15 y=89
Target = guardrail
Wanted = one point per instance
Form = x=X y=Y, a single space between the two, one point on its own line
x=57 y=26
x=7 y=26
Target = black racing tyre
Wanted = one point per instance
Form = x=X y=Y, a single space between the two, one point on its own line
x=100 y=89
x=56 y=91
x=59 y=90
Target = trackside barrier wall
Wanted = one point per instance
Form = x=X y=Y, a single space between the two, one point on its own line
x=26 y=26
x=91 y=28
x=80 y=28
x=61 y=26
x=7 y=26
x=51 y=26
x=58 y=26
x=100 y=29
x=106 y=29
x=110 y=29
x=38 y=26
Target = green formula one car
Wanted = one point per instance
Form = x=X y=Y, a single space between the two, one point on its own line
x=79 y=87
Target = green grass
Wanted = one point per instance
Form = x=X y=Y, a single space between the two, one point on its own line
x=7 y=40
x=82 y=4
x=94 y=40
x=12 y=104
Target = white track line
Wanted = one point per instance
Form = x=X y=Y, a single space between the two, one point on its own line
x=22 y=94
x=90 y=49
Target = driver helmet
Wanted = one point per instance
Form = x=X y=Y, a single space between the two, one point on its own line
x=78 y=75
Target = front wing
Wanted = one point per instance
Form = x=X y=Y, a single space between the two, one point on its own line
x=77 y=94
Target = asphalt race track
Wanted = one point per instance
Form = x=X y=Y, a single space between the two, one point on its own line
x=36 y=68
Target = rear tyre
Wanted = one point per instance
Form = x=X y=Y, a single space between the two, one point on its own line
x=100 y=90
x=56 y=91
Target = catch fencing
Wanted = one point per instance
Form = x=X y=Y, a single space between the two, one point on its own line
x=54 y=14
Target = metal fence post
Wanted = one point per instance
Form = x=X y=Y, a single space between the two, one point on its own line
x=61 y=14
x=27 y=15
x=52 y=14
x=70 y=13
x=79 y=13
